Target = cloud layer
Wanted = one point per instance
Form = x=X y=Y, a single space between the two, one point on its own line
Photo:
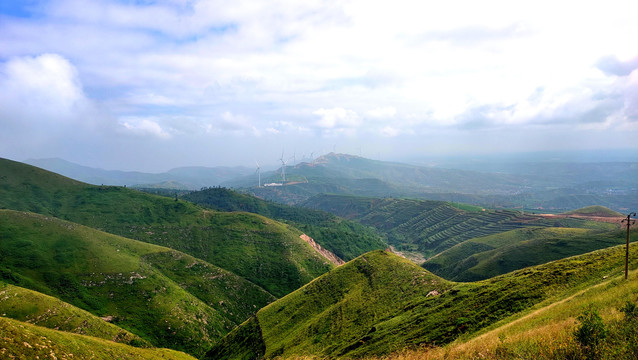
x=196 y=76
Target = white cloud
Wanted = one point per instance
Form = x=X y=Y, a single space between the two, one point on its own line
x=382 y=112
x=144 y=127
x=41 y=89
x=188 y=68
x=390 y=131
x=336 y=118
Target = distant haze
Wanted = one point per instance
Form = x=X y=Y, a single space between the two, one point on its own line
x=154 y=85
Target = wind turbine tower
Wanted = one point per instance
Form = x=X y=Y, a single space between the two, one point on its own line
x=258 y=174
x=283 y=168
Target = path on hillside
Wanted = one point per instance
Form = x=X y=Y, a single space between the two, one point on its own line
x=545 y=308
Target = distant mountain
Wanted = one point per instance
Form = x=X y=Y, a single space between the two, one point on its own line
x=380 y=303
x=192 y=178
x=388 y=178
x=553 y=186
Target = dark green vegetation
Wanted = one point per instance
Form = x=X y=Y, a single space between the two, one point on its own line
x=379 y=303
x=19 y=340
x=168 y=298
x=423 y=226
x=345 y=238
x=266 y=252
x=485 y=257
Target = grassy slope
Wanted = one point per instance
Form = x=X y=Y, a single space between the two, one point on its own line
x=423 y=226
x=543 y=332
x=488 y=256
x=266 y=252
x=36 y=308
x=595 y=210
x=387 y=310
x=20 y=340
x=166 y=297
x=345 y=238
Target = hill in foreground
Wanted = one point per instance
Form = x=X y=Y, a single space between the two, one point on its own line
x=21 y=340
x=380 y=303
x=266 y=252
x=167 y=298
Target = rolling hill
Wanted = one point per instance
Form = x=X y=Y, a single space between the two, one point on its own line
x=167 y=298
x=380 y=303
x=485 y=257
x=345 y=238
x=266 y=252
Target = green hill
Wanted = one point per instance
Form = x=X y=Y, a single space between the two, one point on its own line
x=485 y=257
x=36 y=308
x=266 y=252
x=596 y=210
x=424 y=226
x=345 y=238
x=21 y=340
x=166 y=297
x=379 y=303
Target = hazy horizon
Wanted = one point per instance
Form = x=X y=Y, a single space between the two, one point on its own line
x=154 y=85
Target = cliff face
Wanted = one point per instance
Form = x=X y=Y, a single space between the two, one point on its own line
x=326 y=253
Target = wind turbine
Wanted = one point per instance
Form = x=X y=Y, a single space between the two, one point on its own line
x=258 y=174
x=283 y=168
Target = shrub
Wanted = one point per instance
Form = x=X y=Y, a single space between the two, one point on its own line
x=591 y=333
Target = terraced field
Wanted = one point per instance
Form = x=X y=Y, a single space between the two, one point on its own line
x=423 y=226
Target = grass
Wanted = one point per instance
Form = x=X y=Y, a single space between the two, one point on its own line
x=266 y=252
x=378 y=304
x=546 y=332
x=489 y=256
x=167 y=298
x=36 y=308
x=595 y=211
x=19 y=340
x=345 y=238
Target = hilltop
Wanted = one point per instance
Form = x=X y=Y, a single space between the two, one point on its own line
x=266 y=252
x=594 y=211
x=379 y=303
x=165 y=297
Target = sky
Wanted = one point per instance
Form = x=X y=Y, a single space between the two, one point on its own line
x=152 y=85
